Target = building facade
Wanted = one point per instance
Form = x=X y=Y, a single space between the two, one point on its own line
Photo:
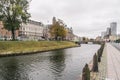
x=113 y=27
x=76 y=38
x=108 y=31
x=5 y=34
x=98 y=38
x=111 y=32
x=33 y=30
x=46 y=32
x=69 y=35
x=113 y=37
x=103 y=34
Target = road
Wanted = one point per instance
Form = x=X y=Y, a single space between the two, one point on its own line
x=113 y=62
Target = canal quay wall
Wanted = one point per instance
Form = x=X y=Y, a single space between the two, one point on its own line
x=15 y=48
x=102 y=66
x=109 y=65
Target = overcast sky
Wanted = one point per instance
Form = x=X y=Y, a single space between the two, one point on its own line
x=87 y=17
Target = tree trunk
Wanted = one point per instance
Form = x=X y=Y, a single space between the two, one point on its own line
x=56 y=38
x=13 y=34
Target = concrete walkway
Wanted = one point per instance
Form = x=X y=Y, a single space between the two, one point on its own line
x=113 y=62
x=101 y=75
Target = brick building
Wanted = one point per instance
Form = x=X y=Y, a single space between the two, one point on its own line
x=5 y=34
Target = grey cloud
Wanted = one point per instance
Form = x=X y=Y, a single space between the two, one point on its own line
x=87 y=17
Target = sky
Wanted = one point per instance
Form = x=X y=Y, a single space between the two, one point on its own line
x=87 y=17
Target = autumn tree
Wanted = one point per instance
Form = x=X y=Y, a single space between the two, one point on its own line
x=13 y=13
x=58 y=30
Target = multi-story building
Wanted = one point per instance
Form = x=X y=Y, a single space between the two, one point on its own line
x=5 y=34
x=76 y=38
x=33 y=30
x=113 y=27
x=70 y=35
x=113 y=37
x=111 y=33
x=46 y=32
x=98 y=38
x=103 y=34
x=108 y=31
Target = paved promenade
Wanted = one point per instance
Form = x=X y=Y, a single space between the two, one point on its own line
x=101 y=75
x=113 y=62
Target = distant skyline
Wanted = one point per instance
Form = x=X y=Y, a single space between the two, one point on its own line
x=87 y=17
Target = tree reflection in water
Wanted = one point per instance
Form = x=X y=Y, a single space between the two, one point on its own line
x=57 y=63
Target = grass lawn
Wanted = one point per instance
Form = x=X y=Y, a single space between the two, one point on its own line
x=20 y=47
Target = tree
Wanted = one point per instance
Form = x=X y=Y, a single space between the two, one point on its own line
x=62 y=32
x=13 y=13
x=58 y=30
x=117 y=41
x=95 y=63
x=86 y=73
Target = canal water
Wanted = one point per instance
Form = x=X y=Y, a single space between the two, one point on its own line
x=65 y=64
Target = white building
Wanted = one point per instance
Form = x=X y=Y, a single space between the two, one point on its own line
x=33 y=30
x=46 y=32
x=70 y=35
x=76 y=38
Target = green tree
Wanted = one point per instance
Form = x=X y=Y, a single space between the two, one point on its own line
x=117 y=41
x=13 y=13
x=86 y=73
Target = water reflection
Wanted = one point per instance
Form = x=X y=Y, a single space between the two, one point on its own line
x=63 y=64
x=9 y=70
x=57 y=63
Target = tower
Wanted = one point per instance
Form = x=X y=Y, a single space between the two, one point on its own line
x=113 y=27
x=54 y=20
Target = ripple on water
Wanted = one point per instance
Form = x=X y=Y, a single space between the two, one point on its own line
x=63 y=64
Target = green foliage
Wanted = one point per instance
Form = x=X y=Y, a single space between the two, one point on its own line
x=86 y=73
x=95 y=63
x=13 y=13
x=117 y=41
